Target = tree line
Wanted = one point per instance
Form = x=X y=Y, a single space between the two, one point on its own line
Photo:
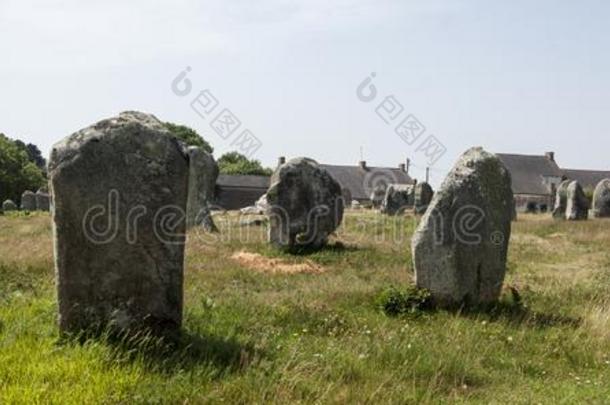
x=23 y=167
x=228 y=163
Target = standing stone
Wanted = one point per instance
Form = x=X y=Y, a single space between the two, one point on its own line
x=305 y=205
x=398 y=197
x=43 y=201
x=601 y=199
x=423 y=197
x=203 y=172
x=28 y=201
x=460 y=247
x=119 y=192
x=8 y=206
x=377 y=195
x=347 y=196
x=260 y=207
x=577 y=208
x=515 y=216
x=262 y=204
x=251 y=210
x=531 y=208
x=561 y=200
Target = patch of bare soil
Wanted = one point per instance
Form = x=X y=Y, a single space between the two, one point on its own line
x=264 y=264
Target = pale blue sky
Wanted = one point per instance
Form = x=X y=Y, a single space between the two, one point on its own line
x=512 y=76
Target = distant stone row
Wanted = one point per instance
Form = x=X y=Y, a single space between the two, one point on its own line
x=38 y=201
x=125 y=192
x=400 y=197
x=572 y=204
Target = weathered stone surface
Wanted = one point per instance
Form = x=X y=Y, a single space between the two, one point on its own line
x=206 y=220
x=262 y=203
x=398 y=197
x=9 y=205
x=203 y=172
x=460 y=247
x=28 y=201
x=347 y=196
x=306 y=205
x=561 y=200
x=253 y=221
x=259 y=208
x=43 y=201
x=423 y=197
x=515 y=216
x=377 y=195
x=251 y=210
x=577 y=208
x=601 y=199
x=119 y=192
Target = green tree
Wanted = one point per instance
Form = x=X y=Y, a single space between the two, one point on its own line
x=17 y=172
x=34 y=154
x=236 y=163
x=189 y=136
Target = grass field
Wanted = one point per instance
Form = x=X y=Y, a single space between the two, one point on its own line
x=316 y=334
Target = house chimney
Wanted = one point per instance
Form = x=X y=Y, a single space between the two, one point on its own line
x=550 y=156
x=362 y=164
x=402 y=167
x=281 y=160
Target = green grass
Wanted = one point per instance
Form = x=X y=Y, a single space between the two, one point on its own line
x=277 y=338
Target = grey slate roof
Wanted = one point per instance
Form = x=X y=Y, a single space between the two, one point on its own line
x=587 y=178
x=528 y=172
x=242 y=181
x=236 y=191
x=360 y=181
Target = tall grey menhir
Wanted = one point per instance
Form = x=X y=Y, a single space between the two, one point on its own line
x=120 y=192
x=460 y=247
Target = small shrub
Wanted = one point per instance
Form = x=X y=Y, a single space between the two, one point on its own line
x=396 y=302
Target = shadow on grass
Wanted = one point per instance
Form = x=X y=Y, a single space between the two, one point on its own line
x=510 y=308
x=413 y=301
x=506 y=312
x=335 y=248
x=179 y=353
x=517 y=314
